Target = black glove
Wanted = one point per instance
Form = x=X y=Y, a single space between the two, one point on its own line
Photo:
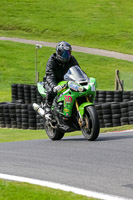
x=57 y=88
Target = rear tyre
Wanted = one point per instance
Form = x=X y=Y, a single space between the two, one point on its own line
x=91 y=128
x=53 y=134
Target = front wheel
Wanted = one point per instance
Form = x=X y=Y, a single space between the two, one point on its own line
x=90 y=129
x=53 y=133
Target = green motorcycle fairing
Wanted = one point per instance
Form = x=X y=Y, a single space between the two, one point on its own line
x=69 y=96
x=41 y=89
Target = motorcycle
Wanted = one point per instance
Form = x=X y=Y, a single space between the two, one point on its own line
x=73 y=107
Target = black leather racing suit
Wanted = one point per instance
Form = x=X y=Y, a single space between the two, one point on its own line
x=55 y=71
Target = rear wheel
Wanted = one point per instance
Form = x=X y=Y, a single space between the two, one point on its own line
x=53 y=133
x=91 y=124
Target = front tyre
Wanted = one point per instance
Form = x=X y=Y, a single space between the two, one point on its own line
x=90 y=129
x=53 y=133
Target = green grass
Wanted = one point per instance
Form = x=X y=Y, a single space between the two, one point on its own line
x=12 y=135
x=101 y=24
x=24 y=191
x=17 y=65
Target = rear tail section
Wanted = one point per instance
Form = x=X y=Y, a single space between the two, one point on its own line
x=41 y=89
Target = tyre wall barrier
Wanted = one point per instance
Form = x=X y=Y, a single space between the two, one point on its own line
x=25 y=93
x=114 y=108
x=29 y=94
x=113 y=96
x=22 y=116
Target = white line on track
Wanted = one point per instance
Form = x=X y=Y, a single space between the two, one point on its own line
x=67 y=188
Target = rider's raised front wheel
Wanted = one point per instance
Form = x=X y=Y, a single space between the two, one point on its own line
x=90 y=129
x=53 y=134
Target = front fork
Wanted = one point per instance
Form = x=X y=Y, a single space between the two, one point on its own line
x=81 y=120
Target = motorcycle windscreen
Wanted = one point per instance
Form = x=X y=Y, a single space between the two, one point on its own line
x=75 y=74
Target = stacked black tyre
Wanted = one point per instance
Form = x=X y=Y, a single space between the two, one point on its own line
x=7 y=115
x=126 y=96
x=118 y=96
x=33 y=94
x=32 y=117
x=109 y=96
x=116 y=114
x=21 y=95
x=38 y=125
x=107 y=114
x=130 y=112
x=101 y=96
x=2 y=117
x=12 y=112
x=100 y=115
x=19 y=116
x=39 y=98
x=124 y=113
x=25 y=116
x=96 y=97
x=27 y=94
x=14 y=92
x=131 y=95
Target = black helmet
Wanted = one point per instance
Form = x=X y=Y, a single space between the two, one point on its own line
x=63 y=51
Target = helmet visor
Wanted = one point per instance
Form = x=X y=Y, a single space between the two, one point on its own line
x=66 y=54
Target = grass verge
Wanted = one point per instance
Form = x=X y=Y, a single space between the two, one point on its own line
x=17 y=65
x=12 y=135
x=100 y=24
x=24 y=191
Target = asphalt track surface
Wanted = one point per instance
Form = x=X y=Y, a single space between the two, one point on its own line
x=105 y=165
x=94 y=51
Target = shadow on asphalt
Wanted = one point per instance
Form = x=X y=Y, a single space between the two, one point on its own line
x=100 y=138
x=119 y=137
x=73 y=139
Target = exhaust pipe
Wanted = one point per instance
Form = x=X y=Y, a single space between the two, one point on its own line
x=38 y=109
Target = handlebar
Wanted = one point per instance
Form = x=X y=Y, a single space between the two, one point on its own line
x=63 y=87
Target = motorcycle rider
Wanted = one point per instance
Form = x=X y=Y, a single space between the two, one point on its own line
x=56 y=67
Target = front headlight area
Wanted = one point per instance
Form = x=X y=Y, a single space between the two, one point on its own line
x=76 y=87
